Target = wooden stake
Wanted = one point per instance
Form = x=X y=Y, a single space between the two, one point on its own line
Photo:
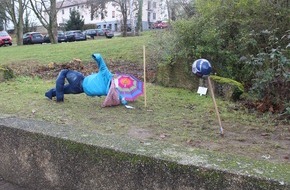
x=215 y=106
x=144 y=67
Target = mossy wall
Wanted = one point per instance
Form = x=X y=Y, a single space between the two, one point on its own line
x=177 y=75
x=227 y=88
x=39 y=161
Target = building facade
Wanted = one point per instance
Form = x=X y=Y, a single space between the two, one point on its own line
x=153 y=10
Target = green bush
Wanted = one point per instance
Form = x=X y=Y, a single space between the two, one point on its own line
x=244 y=40
x=5 y=73
x=271 y=81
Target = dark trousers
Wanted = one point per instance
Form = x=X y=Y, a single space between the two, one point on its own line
x=74 y=85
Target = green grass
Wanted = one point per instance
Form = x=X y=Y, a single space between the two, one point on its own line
x=117 y=48
x=169 y=110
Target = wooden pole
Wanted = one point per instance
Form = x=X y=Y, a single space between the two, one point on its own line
x=144 y=67
x=215 y=106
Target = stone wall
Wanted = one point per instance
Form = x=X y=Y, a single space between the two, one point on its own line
x=40 y=160
x=179 y=75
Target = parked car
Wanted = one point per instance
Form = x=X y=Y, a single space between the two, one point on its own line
x=32 y=38
x=129 y=28
x=5 y=39
x=94 y=32
x=108 y=33
x=75 y=35
x=61 y=37
x=160 y=24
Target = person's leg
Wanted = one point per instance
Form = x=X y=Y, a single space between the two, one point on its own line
x=59 y=87
x=59 y=82
x=75 y=80
x=51 y=93
x=74 y=85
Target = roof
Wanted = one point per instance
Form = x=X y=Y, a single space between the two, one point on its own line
x=69 y=3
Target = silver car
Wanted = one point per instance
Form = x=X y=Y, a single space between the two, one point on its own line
x=32 y=38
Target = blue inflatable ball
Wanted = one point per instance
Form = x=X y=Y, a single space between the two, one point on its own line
x=201 y=67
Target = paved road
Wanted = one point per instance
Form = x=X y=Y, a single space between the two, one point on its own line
x=4 y=185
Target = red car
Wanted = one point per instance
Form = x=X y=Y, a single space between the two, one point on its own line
x=160 y=24
x=5 y=39
x=108 y=33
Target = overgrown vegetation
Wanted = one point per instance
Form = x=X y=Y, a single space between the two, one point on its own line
x=246 y=40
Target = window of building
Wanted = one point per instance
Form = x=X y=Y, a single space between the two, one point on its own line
x=154 y=5
x=70 y=10
x=148 y=16
x=154 y=16
x=149 y=5
x=113 y=14
x=62 y=11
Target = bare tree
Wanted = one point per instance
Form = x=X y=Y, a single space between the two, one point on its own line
x=139 y=16
x=97 y=7
x=15 y=11
x=180 y=9
x=125 y=7
x=3 y=17
x=41 y=8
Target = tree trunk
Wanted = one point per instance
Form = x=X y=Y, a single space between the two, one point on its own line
x=139 y=22
x=53 y=22
x=19 y=24
x=125 y=17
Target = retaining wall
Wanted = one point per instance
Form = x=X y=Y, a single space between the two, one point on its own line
x=39 y=155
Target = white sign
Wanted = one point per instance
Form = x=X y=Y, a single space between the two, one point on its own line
x=202 y=91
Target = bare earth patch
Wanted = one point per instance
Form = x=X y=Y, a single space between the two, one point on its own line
x=51 y=70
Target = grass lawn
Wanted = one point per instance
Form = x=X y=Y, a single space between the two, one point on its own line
x=130 y=49
x=176 y=116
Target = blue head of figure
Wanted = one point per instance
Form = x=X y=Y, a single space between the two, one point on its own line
x=201 y=67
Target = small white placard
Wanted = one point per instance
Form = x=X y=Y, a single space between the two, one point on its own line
x=129 y=107
x=202 y=91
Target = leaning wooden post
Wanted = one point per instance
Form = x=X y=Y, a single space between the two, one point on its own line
x=144 y=67
x=215 y=106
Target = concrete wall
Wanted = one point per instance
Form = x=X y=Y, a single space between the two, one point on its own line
x=36 y=160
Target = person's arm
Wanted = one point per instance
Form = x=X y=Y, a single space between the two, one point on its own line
x=122 y=99
x=100 y=62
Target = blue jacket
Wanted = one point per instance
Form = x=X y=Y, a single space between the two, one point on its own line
x=98 y=84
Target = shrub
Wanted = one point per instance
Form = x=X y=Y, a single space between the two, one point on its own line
x=271 y=81
x=5 y=73
x=244 y=40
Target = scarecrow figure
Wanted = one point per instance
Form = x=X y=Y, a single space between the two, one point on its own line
x=96 y=84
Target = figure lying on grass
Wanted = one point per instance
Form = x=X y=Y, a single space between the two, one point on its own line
x=96 y=84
